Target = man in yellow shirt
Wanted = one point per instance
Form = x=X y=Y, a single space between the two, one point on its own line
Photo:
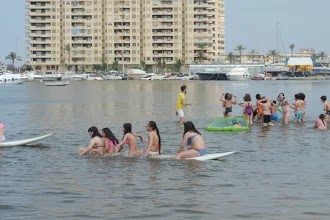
x=180 y=103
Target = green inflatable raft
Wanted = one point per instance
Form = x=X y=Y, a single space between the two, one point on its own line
x=235 y=123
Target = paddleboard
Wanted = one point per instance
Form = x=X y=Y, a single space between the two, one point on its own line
x=200 y=158
x=24 y=142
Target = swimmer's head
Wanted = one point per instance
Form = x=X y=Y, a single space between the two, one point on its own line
x=274 y=102
x=226 y=95
x=258 y=96
x=322 y=116
x=302 y=96
x=189 y=126
x=93 y=132
x=127 y=128
x=296 y=96
x=247 y=98
x=281 y=96
x=323 y=98
x=229 y=97
x=183 y=88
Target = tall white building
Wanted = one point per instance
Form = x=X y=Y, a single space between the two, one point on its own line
x=67 y=34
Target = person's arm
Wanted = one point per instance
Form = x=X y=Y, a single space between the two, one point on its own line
x=184 y=102
x=141 y=138
x=89 y=147
x=235 y=101
x=222 y=99
x=183 y=143
x=120 y=146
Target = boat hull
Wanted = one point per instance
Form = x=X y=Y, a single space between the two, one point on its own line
x=212 y=76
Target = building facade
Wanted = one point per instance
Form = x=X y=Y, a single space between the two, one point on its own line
x=79 y=34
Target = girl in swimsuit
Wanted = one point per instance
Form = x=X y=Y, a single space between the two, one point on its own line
x=320 y=123
x=192 y=138
x=154 y=140
x=96 y=144
x=248 y=109
x=302 y=97
x=285 y=107
x=110 y=141
x=129 y=138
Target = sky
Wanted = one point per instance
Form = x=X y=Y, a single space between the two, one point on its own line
x=252 y=23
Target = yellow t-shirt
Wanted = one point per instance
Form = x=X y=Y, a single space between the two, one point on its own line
x=179 y=101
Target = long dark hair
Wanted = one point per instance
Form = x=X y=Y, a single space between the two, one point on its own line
x=153 y=125
x=189 y=126
x=322 y=118
x=127 y=128
x=95 y=132
x=108 y=133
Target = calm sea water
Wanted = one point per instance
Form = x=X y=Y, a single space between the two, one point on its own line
x=278 y=173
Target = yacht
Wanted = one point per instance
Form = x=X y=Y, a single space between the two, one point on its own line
x=320 y=69
x=7 y=78
x=72 y=76
x=93 y=77
x=212 y=74
x=152 y=76
x=112 y=75
x=239 y=74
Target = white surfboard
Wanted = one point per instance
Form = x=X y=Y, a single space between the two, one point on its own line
x=24 y=142
x=201 y=158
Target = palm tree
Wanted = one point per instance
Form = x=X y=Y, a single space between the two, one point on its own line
x=240 y=48
x=273 y=53
x=292 y=46
x=104 y=61
x=177 y=66
x=67 y=48
x=322 y=54
x=200 y=53
x=13 y=57
x=231 y=57
x=143 y=65
x=253 y=52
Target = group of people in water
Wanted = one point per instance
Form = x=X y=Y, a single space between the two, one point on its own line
x=107 y=143
x=266 y=110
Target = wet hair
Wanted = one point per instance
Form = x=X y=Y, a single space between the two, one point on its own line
x=108 y=134
x=278 y=97
x=274 y=102
x=247 y=98
x=153 y=125
x=323 y=98
x=229 y=97
x=322 y=117
x=297 y=96
x=302 y=96
x=95 y=132
x=127 y=128
x=183 y=88
x=189 y=126
x=258 y=96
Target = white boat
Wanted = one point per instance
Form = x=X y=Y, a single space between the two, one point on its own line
x=91 y=77
x=112 y=75
x=239 y=73
x=57 y=83
x=7 y=78
x=73 y=76
x=152 y=76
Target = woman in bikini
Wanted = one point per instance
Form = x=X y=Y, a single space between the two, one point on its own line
x=192 y=138
x=248 y=108
x=154 y=140
x=285 y=107
x=110 y=141
x=129 y=138
x=96 y=143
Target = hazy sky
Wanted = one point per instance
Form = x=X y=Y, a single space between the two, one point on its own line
x=251 y=23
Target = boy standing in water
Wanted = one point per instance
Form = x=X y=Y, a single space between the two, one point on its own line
x=228 y=103
x=2 y=135
x=180 y=103
x=298 y=107
x=274 y=116
x=326 y=107
x=266 y=108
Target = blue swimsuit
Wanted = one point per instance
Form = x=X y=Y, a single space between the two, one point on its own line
x=202 y=152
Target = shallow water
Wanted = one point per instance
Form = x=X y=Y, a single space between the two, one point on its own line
x=278 y=173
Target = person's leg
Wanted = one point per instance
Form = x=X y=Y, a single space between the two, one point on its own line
x=187 y=154
x=250 y=119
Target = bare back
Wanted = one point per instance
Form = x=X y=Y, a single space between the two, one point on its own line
x=153 y=142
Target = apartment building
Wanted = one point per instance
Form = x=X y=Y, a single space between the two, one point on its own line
x=80 y=34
